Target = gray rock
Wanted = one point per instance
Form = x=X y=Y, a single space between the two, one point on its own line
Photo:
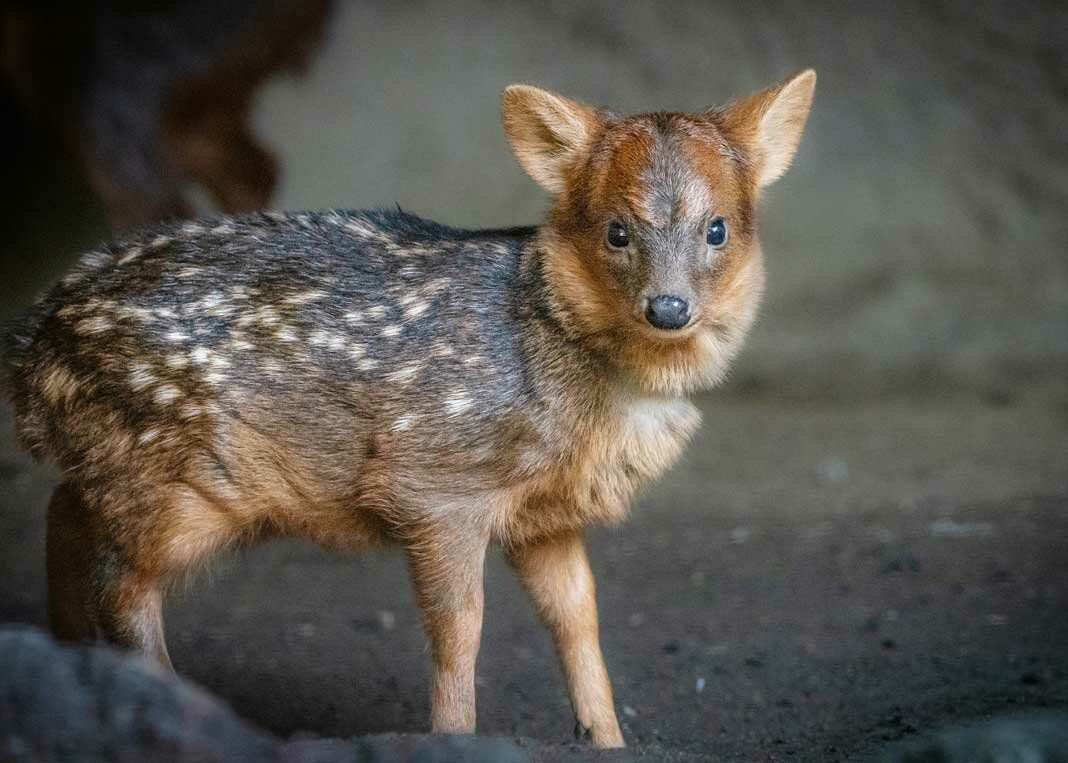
x=1038 y=738
x=92 y=703
x=62 y=703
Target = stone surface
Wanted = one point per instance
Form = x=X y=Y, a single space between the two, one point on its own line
x=93 y=704
x=61 y=703
x=1038 y=738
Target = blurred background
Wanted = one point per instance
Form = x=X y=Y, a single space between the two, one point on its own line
x=869 y=538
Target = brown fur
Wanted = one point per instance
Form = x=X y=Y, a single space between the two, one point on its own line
x=188 y=419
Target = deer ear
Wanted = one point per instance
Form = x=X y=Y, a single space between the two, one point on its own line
x=549 y=134
x=769 y=124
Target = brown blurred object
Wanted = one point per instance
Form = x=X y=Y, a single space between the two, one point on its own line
x=153 y=103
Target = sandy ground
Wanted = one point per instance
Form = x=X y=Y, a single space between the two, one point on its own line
x=869 y=537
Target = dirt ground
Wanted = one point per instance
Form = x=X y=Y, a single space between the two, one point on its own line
x=812 y=581
x=869 y=537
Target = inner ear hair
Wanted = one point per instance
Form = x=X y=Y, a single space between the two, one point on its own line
x=769 y=124
x=548 y=133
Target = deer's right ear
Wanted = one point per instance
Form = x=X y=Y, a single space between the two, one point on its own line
x=549 y=134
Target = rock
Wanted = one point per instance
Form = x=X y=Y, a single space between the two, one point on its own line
x=1037 y=738
x=92 y=703
x=87 y=703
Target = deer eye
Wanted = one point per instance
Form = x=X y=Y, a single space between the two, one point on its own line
x=716 y=236
x=618 y=237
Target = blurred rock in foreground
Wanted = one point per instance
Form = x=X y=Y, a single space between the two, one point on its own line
x=1036 y=738
x=91 y=703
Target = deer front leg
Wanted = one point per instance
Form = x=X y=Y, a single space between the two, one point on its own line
x=557 y=574
x=447 y=570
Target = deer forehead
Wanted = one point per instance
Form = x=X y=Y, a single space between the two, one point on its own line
x=663 y=169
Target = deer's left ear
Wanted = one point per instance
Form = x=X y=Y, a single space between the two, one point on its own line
x=768 y=124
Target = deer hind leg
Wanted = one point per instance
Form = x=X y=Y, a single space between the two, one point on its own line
x=101 y=586
x=446 y=564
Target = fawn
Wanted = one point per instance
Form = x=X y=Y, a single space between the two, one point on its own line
x=357 y=377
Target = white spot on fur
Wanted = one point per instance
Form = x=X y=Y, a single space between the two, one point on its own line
x=200 y=354
x=192 y=229
x=471 y=360
x=223 y=229
x=148 y=436
x=176 y=336
x=433 y=287
x=354 y=316
x=94 y=260
x=361 y=228
x=141 y=376
x=391 y=331
x=367 y=364
x=218 y=362
x=404 y=375
x=58 y=383
x=176 y=361
x=414 y=310
x=131 y=254
x=159 y=241
x=187 y=272
x=357 y=350
x=305 y=297
x=166 y=394
x=98 y=324
x=458 y=404
x=215 y=378
x=190 y=410
x=404 y=422
x=132 y=312
x=266 y=315
x=378 y=311
x=221 y=311
x=285 y=334
x=278 y=217
x=209 y=300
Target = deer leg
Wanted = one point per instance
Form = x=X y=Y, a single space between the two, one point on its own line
x=556 y=573
x=447 y=568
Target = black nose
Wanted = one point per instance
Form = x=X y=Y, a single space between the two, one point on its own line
x=667 y=312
